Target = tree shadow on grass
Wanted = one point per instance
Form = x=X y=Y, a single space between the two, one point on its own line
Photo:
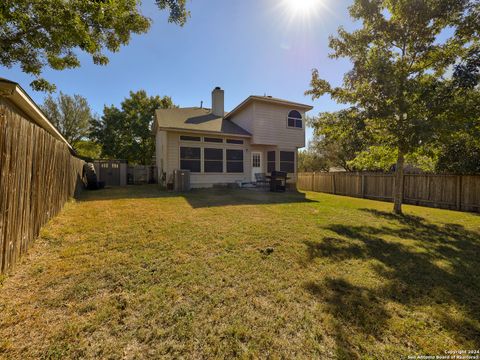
x=197 y=198
x=354 y=309
x=201 y=198
x=124 y=192
x=420 y=263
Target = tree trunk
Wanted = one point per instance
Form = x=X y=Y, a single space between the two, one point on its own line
x=398 y=191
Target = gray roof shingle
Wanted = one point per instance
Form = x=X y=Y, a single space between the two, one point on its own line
x=197 y=119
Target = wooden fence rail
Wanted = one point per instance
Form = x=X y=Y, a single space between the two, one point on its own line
x=456 y=192
x=38 y=175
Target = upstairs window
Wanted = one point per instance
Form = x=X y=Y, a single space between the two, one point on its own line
x=294 y=119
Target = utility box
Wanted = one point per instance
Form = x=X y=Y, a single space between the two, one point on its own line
x=181 y=180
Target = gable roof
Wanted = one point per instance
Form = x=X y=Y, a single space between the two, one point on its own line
x=271 y=100
x=196 y=119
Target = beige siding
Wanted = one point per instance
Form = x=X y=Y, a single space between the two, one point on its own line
x=169 y=144
x=268 y=125
x=172 y=156
x=206 y=179
x=244 y=118
x=160 y=151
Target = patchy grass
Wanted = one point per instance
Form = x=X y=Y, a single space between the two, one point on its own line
x=137 y=273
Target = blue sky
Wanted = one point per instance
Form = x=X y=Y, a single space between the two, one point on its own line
x=248 y=47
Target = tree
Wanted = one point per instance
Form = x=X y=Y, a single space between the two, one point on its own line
x=49 y=33
x=382 y=158
x=88 y=150
x=126 y=133
x=460 y=151
x=311 y=160
x=400 y=56
x=461 y=155
x=339 y=137
x=467 y=72
x=71 y=115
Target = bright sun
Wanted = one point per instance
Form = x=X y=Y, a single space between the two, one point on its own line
x=303 y=7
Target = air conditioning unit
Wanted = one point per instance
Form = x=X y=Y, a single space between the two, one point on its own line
x=181 y=180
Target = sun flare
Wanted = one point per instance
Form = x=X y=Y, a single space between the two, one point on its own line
x=303 y=7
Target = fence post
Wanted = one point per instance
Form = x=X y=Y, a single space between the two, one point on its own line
x=313 y=181
x=363 y=185
x=459 y=192
x=333 y=183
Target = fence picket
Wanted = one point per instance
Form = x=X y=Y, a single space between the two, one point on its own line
x=38 y=174
x=443 y=191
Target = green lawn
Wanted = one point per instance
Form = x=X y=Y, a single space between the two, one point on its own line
x=137 y=273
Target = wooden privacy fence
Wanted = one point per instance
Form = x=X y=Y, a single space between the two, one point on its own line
x=457 y=192
x=38 y=175
x=141 y=174
x=120 y=173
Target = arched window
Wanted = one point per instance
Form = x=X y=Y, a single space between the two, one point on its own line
x=294 y=119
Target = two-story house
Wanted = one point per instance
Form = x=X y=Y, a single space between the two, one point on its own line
x=260 y=135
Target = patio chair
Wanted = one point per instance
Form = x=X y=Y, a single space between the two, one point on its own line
x=261 y=179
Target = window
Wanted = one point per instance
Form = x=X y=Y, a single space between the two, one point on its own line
x=189 y=138
x=213 y=140
x=287 y=161
x=271 y=161
x=213 y=160
x=190 y=159
x=294 y=119
x=234 y=141
x=256 y=160
x=234 y=161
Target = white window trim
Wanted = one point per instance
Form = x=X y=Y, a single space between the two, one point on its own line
x=294 y=127
x=202 y=155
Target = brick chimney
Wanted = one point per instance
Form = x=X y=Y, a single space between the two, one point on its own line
x=218 y=107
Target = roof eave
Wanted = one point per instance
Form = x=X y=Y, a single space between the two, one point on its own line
x=22 y=100
x=197 y=131
x=268 y=100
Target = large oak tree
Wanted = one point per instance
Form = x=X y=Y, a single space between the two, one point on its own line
x=50 y=33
